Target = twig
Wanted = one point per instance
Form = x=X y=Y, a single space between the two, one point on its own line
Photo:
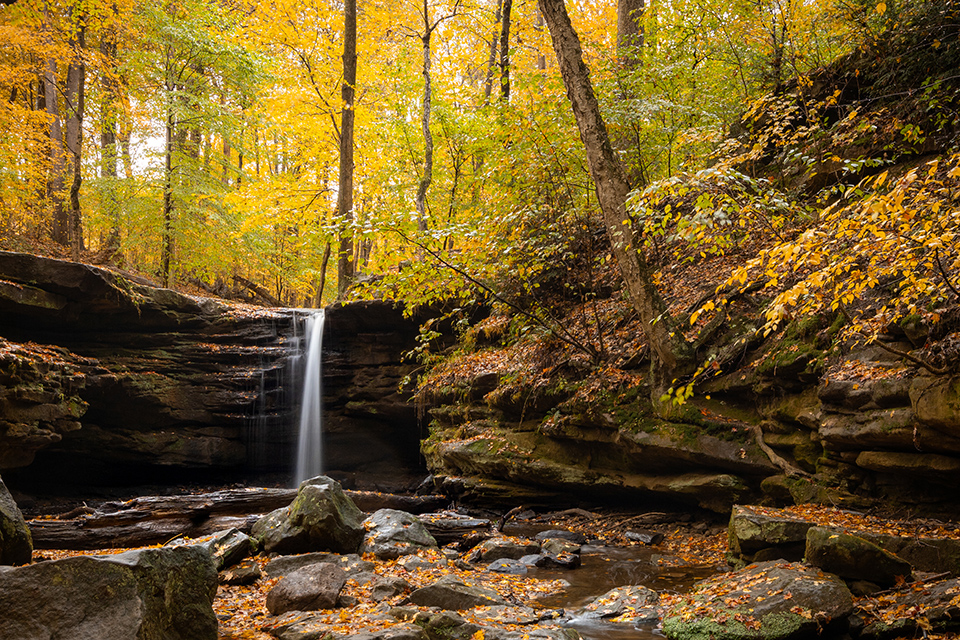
x=920 y=362
x=943 y=272
x=556 y=331
x=936 y=576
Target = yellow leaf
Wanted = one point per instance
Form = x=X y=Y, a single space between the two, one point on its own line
x=882 y=8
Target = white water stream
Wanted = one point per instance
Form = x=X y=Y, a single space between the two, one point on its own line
x=310 y=440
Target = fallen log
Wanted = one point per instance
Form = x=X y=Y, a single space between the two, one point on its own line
x=151 y=520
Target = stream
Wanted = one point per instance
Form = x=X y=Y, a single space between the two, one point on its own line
x=604 y=568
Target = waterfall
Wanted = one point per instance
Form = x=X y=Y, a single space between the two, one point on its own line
x=310 y=441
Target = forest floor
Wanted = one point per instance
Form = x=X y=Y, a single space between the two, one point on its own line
x=689 y=547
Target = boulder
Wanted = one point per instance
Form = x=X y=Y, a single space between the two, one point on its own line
x=320 y=518
x=450 y=593
x=16 y=544
x=854 y=558
x=776 y=534
x=556 y=546
x=385 y=587
x=147 y=594
x=631 y=604
x=499 y=548
x=391 y=534
x=509 y=566
x=558 y=561
x=242 y=573
x=769 y=600
x=311 y=588
x=647 y=538
x=561 y=534
x=227 y=547
x=933 y=609
x=351 y=563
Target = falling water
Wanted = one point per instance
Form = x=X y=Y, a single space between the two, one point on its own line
x=310 y=443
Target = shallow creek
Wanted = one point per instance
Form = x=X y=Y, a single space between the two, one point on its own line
x=604 y=568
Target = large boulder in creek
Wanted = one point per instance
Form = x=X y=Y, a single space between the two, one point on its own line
x=854 y=558
x=757 y=533
x=320 y=518
x=452 y=594
x=147 y=594
x=314 y=587
x=391 y=534
x=769 y=600
x=228 y=547
x=16 y=545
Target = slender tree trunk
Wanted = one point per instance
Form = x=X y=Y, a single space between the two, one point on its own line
x=56 y=177
x=75 y=89
x=505 y=52
x=427 y=177
x=322 y=279
x=630 y=31
x=629 y=52
x=671 y=352
x=167 y=244
x=538 y=26
x=345 y=263
x=108 y=140
x=492 y=59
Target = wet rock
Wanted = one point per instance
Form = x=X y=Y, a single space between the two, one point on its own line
x=508 y=566
x=497 y=548
x=311 y=588
x=391 y=534
x=449 y=526
x=649 y=538
x=561 y=561
x=631 y=604
x=452 y=594
x=227 y=547
x=149 y=594
x=16 y=544
x=351 y=563
x=321 y=517
x=561 y=534
x=414 y=563
x=776 y=534
x=556 y=546
x=298 y=625
x=447 y=625
x=385 y=587
x=854 y=558
x=771 y=600
x=244 y=573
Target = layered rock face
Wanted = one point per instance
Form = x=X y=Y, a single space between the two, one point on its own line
x=121 y=381
x=851 y=425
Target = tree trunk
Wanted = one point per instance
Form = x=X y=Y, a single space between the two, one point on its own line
x=505 y=52
x=488 y=82
x=672 y=353
x=109 y=111
x=630 y=31
x=427 y=177
x=166 y=248
x=322 y=278
x=629 y=52
x=76 y=76
x=56 y=180
x=345 y=264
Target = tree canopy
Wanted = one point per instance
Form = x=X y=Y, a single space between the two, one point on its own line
x=201 y=142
